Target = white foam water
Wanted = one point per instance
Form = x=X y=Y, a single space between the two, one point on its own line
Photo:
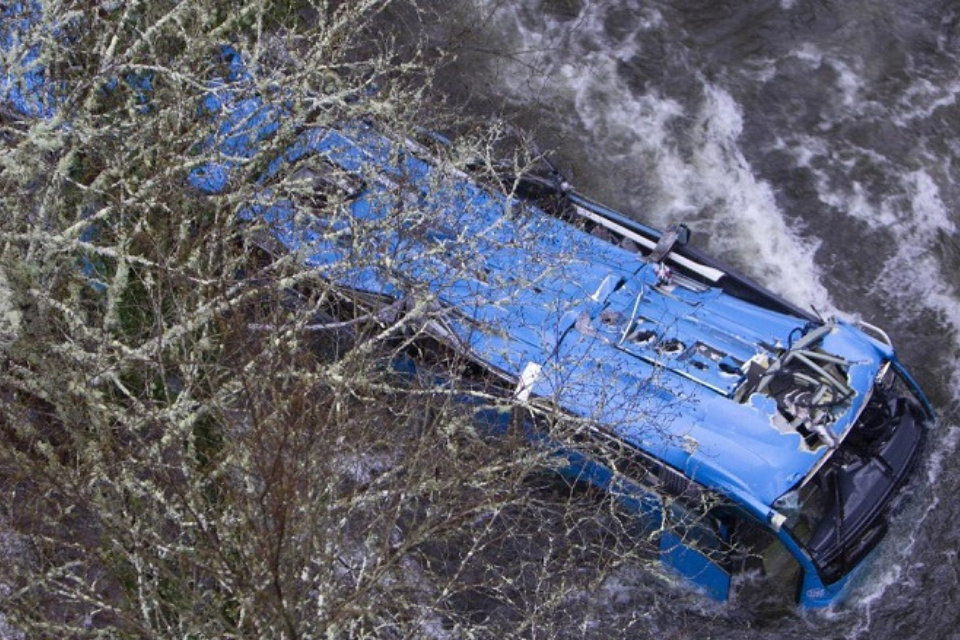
x=899 y=565
x=688 y=159
x=915 y=220
x=875 y=132
x=914 y=272
x=749 y=223
x=905 y=203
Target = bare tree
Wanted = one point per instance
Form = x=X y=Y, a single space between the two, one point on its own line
x=202 y=436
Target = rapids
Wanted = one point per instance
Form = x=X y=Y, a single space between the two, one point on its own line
x=812 y=143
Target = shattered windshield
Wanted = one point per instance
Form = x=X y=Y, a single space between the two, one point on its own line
x=837 y=513
x=805 y=510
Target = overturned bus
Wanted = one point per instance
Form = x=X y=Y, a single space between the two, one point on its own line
x=741 y=430
x=747 y=434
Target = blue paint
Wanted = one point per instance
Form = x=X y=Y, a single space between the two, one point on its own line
x=691 y=563
x=25 y=87
x=523 y=287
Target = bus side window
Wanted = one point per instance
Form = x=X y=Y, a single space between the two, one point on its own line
x=692 y=544
x=767 y=573
x=702 y=531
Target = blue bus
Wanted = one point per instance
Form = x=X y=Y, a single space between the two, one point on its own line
x=744 y=432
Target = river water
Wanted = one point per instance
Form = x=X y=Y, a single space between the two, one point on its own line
x=812 y=143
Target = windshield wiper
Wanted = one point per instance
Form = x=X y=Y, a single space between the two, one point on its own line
x=838 y=496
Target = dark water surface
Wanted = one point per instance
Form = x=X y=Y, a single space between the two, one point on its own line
x=814 y=144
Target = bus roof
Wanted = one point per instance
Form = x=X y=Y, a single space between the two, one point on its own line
x=656 y=361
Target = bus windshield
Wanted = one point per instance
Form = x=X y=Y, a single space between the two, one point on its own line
x=837 y=515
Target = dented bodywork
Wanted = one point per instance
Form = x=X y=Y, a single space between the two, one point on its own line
x=700 y=381
x=800 y=426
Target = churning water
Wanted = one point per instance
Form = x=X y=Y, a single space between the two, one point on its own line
x=814 y=144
